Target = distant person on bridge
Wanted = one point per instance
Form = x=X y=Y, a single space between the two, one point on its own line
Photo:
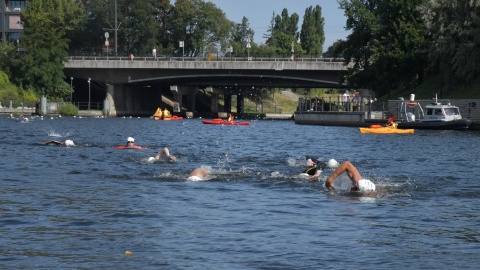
x=154 y=53
x=130 y=56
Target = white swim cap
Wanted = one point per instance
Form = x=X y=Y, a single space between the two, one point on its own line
x=130 y=139
x=69 y=143
x=365 y=185
x=332 y=163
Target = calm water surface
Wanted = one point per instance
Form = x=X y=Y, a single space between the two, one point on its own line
x=83 y=207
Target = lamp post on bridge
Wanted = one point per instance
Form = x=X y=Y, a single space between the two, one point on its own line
x=248 y=49
x=71 y=89
x=182 y=45
x=89 y=79
x=230 y=50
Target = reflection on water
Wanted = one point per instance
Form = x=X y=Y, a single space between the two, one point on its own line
x=85 y=206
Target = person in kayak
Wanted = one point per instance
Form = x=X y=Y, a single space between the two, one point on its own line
x=358 y=183
x=315 y=168
x=391 y=122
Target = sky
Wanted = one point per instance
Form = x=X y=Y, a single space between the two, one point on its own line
x=259 y=14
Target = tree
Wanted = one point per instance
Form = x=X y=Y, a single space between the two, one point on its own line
x=387 y=44
x=240 y=33
x=163 y=10
x=312 y=35
x=335 y=50
x=453 y=27
x=199 y=24
x=46 y=23
x=88 y=36
x=140 y=28
x=283 y=31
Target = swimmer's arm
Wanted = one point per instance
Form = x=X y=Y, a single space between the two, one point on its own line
x=315 y=176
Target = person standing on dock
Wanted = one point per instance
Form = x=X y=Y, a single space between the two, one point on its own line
x=346 y=101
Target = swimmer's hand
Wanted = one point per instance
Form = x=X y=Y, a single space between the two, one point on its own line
x=329 y=185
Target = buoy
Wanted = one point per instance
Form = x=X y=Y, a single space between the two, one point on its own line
x=128 y=253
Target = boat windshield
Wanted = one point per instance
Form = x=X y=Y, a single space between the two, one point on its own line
x=452 y=111
x=431 y=111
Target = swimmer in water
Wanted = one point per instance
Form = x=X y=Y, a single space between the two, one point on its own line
x=165 y=153
x=130 y=145
x=65 y=143
x=358 y=183
x=198 y=174
x=315 y=168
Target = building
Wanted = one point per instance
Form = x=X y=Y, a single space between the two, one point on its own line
x=10 y=26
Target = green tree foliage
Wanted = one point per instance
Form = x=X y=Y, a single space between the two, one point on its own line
x=240 y=34
x=283 y=31
x=454 y=31
x=387 y=44
x=335 y=50
x=46 y=23
x=88 y=36
x=163 y=9
x=199 y=24
x=140 y=28
x=312 y=35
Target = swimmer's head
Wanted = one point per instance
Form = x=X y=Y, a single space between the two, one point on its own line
x=332 y=163
x=69 y=143
x=130 y=139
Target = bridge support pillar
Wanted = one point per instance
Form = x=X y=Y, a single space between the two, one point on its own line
x=227 y=100
x=214 y=100
x=110 y=98
x=184 y=94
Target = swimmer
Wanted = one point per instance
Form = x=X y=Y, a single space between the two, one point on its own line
x=358 y=183
x=165 y=153
x=65 y=143
x=315 y=168
x=198 y=174
x=130 y=145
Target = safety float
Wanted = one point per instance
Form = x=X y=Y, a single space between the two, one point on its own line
x=130 y=147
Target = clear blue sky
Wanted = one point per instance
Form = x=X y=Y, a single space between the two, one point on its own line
x=259 y=14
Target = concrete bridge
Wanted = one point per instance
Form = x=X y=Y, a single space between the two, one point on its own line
x=138 y=86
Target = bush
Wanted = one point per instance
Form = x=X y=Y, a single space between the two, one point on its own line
x=68 y=109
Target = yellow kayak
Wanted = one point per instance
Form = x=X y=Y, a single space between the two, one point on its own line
x=386 y=130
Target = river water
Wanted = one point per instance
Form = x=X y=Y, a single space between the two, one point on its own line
x=91 y=206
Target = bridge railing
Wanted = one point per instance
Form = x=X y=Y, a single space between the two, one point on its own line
x=218 y=59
